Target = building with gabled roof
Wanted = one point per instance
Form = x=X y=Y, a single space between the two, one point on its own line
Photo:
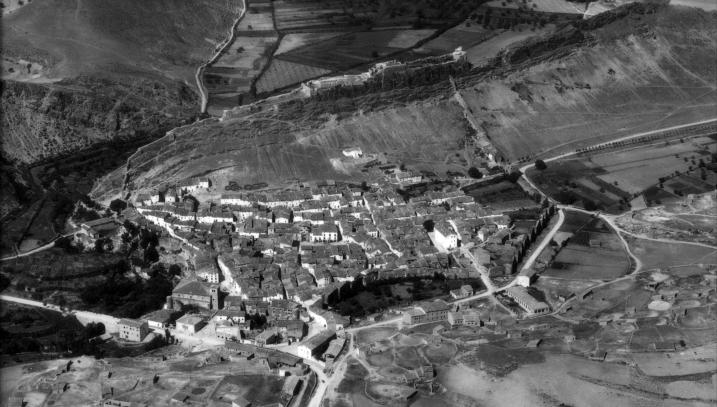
x=132 y=329
x=192 y=292
x=526 y=301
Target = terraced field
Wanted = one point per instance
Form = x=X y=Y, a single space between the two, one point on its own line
x=230 y=78
x=314 y=15
x=284 y=73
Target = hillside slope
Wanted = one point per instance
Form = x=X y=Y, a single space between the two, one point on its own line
x=79 y=72
x=640 y=72
x=84 y=83
x=616 y=73
x=69 y=38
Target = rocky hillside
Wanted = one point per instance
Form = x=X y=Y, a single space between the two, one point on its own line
x=46 y=120
x=79 y=72
x=636 y=68
x=86 y=82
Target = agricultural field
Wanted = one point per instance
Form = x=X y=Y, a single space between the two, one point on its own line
x=660 y=172
x=333 y=15
x=466 y=35
x=635 y=169
x=230 y=79
x=593 y=252
x=316 y=15
x=282 y=73
x=355 y=48
x=292 y=41
x=662 y=255
x=258 y=18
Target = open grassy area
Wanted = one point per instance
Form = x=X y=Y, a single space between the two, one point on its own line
x=260 y=389
x=351 y=49
x=662 y=255
x=593 y=252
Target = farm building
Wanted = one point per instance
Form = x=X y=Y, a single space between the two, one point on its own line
x=315 y=346
x=132 y=329
x=505 y=14
x=190 y=324
x=527 y=301
x=100 y=228
x=335 y=348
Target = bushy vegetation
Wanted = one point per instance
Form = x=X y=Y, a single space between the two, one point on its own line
x=46 y=331
x=129 y=297
x=359 y=300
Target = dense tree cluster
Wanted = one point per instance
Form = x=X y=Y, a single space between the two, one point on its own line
x=129 y=297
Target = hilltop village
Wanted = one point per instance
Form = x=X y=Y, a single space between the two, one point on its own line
x=261 y=265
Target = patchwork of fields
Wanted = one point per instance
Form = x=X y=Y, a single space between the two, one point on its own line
x=229 y=80
x=355 y=48
x=660 y=172
x=593 y=252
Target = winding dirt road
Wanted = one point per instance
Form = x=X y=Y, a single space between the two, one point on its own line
x=198 y=76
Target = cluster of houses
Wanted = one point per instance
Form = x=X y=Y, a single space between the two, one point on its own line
x=285 y=247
